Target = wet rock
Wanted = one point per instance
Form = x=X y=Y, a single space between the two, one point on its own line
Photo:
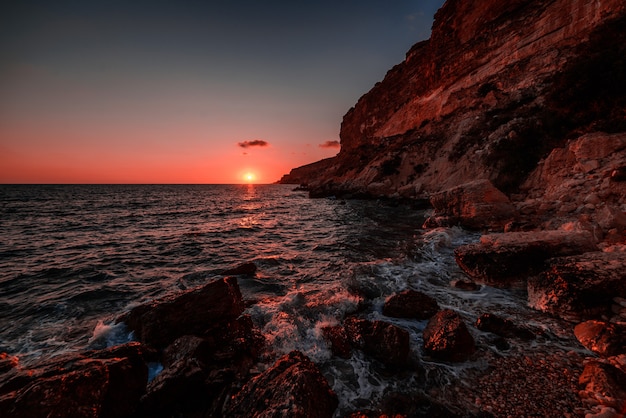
x=104 y=383
x=446 y=337
x=410 y=304
x=385 y=342
x=292 y=387
x=601 y=337
x=200 y=372
x=503 y=327
x=581 y=286
x=474 y=205
x=7 y=362
x=507 y=258
x=243 y=269
x=196 y=312
x=463 y=284
x=604 y=383
x=338 y=340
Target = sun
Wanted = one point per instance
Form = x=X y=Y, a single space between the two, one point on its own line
x=249 y=177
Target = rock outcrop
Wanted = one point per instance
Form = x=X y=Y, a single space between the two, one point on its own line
x=292 y=387
x=505 y=258
x=580 y=286
x=504 y=92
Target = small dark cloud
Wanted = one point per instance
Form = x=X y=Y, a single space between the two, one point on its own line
x=330 y=144
x=253 y=143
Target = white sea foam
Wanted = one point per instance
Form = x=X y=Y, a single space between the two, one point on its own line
x=109 y=334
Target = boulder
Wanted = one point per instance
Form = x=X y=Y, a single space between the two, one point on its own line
x=104 y=383
x=410 y=304
x=602 y=337
x=195 y=312
x=474 y=205
x=385 y=342
x=200 y=372
x=503 y=327
x=507 y=258
x=242 y=269
x=579 y=287
x=292 y=387
x=338 y=339
x=604 y=383
x=446 y=337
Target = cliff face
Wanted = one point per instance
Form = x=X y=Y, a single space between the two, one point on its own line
x=495 y=89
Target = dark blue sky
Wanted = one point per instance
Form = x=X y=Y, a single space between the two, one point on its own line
x=163 y=91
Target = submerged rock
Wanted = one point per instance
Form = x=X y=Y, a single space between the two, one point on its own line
x=410 y=304
x=446 y=337
x=292 y=387
x=581 y=286
x=507 y=258
x=196 y=312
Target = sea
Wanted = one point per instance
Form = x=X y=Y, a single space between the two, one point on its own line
x=73 y=258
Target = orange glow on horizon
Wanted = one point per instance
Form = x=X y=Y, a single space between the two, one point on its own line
x=249 y=177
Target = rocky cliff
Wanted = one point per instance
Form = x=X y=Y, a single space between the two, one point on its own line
x=497 y=87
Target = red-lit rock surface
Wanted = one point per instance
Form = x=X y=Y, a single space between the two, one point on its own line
x=106 y=383
x=410 y=304
x=581 y=286
x=505 y=258
x=446 y=337
x=602 y=337
x=337 y=338
x=292 y=387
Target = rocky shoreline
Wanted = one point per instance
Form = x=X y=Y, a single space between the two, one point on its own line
x=210 y=350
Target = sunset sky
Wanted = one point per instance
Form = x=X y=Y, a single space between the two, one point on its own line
x=167 y=91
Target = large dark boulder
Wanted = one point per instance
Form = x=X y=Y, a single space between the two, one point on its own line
x=385 y=342
x=200 y=372
x=410 y=304
x=196 y=312
x=105 y=384
x=507 y=258
x=292 y=387
x=579 y=287
x=338 y=340
x=446 y=337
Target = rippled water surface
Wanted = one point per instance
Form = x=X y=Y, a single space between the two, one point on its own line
x=72 y=258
